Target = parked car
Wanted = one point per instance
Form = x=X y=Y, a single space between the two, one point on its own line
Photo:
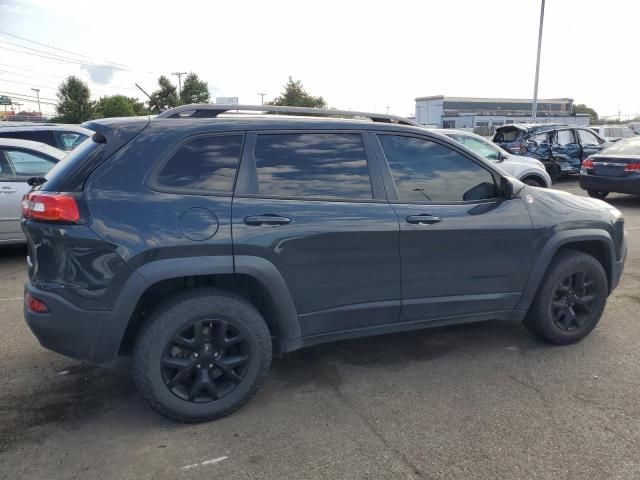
x=560 y=147
x=64 y=137
x=614 y=169
x=613 y=133
x=340 y=228
x=20 y=160
x=526 y=169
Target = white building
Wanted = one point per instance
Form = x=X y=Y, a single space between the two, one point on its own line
x=484 y=114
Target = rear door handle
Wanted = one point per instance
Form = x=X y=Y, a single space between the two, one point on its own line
x=268 y=219
x=7 y=190
x=423 y=219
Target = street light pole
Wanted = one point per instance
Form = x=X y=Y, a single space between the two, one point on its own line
x=534 y=110
x=261 y=97
x=37 y=90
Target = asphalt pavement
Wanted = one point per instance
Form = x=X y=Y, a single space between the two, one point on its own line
x=479 y=401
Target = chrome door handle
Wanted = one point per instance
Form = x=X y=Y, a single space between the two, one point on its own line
x=7 y=190
x=267 y=219
x=423 y=219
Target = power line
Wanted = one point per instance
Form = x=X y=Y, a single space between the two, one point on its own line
x=56 y=48
x=28 y=84
x=26 y=95
x=60 y=59
x=31 y=70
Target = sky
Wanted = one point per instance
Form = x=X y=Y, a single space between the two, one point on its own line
x=360 y=55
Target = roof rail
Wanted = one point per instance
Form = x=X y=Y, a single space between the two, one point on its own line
x=208 y=110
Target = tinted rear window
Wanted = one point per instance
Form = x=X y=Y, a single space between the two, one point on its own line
x=204 y=164
x=507 y=135
x=324 y=165
x=69 y=174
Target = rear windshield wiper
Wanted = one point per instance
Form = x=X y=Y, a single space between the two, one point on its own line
x=36 y=181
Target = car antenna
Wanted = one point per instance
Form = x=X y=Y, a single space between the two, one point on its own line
x=150 y=98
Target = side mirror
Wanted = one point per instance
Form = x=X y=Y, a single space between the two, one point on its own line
x=501 y=157
x=506 y=188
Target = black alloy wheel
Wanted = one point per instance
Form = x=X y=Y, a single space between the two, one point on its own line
x=573 y=299
x=205 y=361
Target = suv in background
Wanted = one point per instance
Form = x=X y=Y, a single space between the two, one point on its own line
x=613 y=133
x=64 y=137
x=526 y=169
x=560 y=147
x=235 y=237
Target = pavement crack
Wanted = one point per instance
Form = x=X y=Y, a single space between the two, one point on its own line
x=320 y=371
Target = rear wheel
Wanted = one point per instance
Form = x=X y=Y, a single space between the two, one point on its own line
x=597 y=194
x=201 y=355
x=553 y=170
x=570 y=300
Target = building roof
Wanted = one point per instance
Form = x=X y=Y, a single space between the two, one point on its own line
x=494 y=100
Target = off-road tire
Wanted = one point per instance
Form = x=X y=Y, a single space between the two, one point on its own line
x=176 y=313
x=540 y=318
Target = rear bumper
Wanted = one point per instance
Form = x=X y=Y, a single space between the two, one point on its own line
x=66 y=329
x=599 y=183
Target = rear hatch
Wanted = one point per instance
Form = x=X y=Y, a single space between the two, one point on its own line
x=511 y=138
x=64 y=254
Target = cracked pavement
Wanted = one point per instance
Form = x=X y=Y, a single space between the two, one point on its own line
x=479 y=401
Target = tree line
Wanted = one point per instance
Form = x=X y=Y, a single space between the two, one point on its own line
x=75 y=104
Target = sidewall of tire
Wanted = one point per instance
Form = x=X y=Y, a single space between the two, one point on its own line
x=539 y=319
x=175 y=315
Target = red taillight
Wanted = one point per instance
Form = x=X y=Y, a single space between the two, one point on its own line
x=632 y=167
x=50 y=207
x=588 y=163
x=35 y=305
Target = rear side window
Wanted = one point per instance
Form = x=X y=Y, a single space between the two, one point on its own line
x=324 y=165
x=204 y=164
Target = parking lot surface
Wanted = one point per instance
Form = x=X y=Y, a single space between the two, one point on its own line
x=475 y=401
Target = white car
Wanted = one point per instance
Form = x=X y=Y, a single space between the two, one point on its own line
x=59 y=135
x=526 y=169
x=19 y=161
x=613 y=133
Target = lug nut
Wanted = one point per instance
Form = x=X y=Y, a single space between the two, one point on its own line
x=211 y=365
x=199 y=366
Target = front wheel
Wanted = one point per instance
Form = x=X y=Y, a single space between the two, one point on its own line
x=533 y=182
x=570 y=300
x=201 y=355
x=597 y=194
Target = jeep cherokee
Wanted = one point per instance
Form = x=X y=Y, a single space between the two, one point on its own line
x=203 y=241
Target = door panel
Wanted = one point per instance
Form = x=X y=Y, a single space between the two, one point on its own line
x=340 y=260
x=566 y=150
x=476 y=259
x=305 y=201
x=11 y=193
x=463 y=249
x=589 y=143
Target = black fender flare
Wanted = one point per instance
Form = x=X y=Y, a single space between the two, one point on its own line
x=263 y=271
x=550 y=248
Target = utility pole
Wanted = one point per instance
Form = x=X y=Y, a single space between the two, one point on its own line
x=179 y=75
x=387 y=109
x=534 y=110
x=262 y=95
x=37 y=90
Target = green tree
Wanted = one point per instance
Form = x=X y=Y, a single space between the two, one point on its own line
x=582 y=108
x=74 y=101
x=294 y=95
x=194 y=90
x=166 y=96
x=114 y=106
x=138 y=107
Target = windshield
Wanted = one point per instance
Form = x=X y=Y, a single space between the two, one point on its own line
x=624 y=147
x=482 y=147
